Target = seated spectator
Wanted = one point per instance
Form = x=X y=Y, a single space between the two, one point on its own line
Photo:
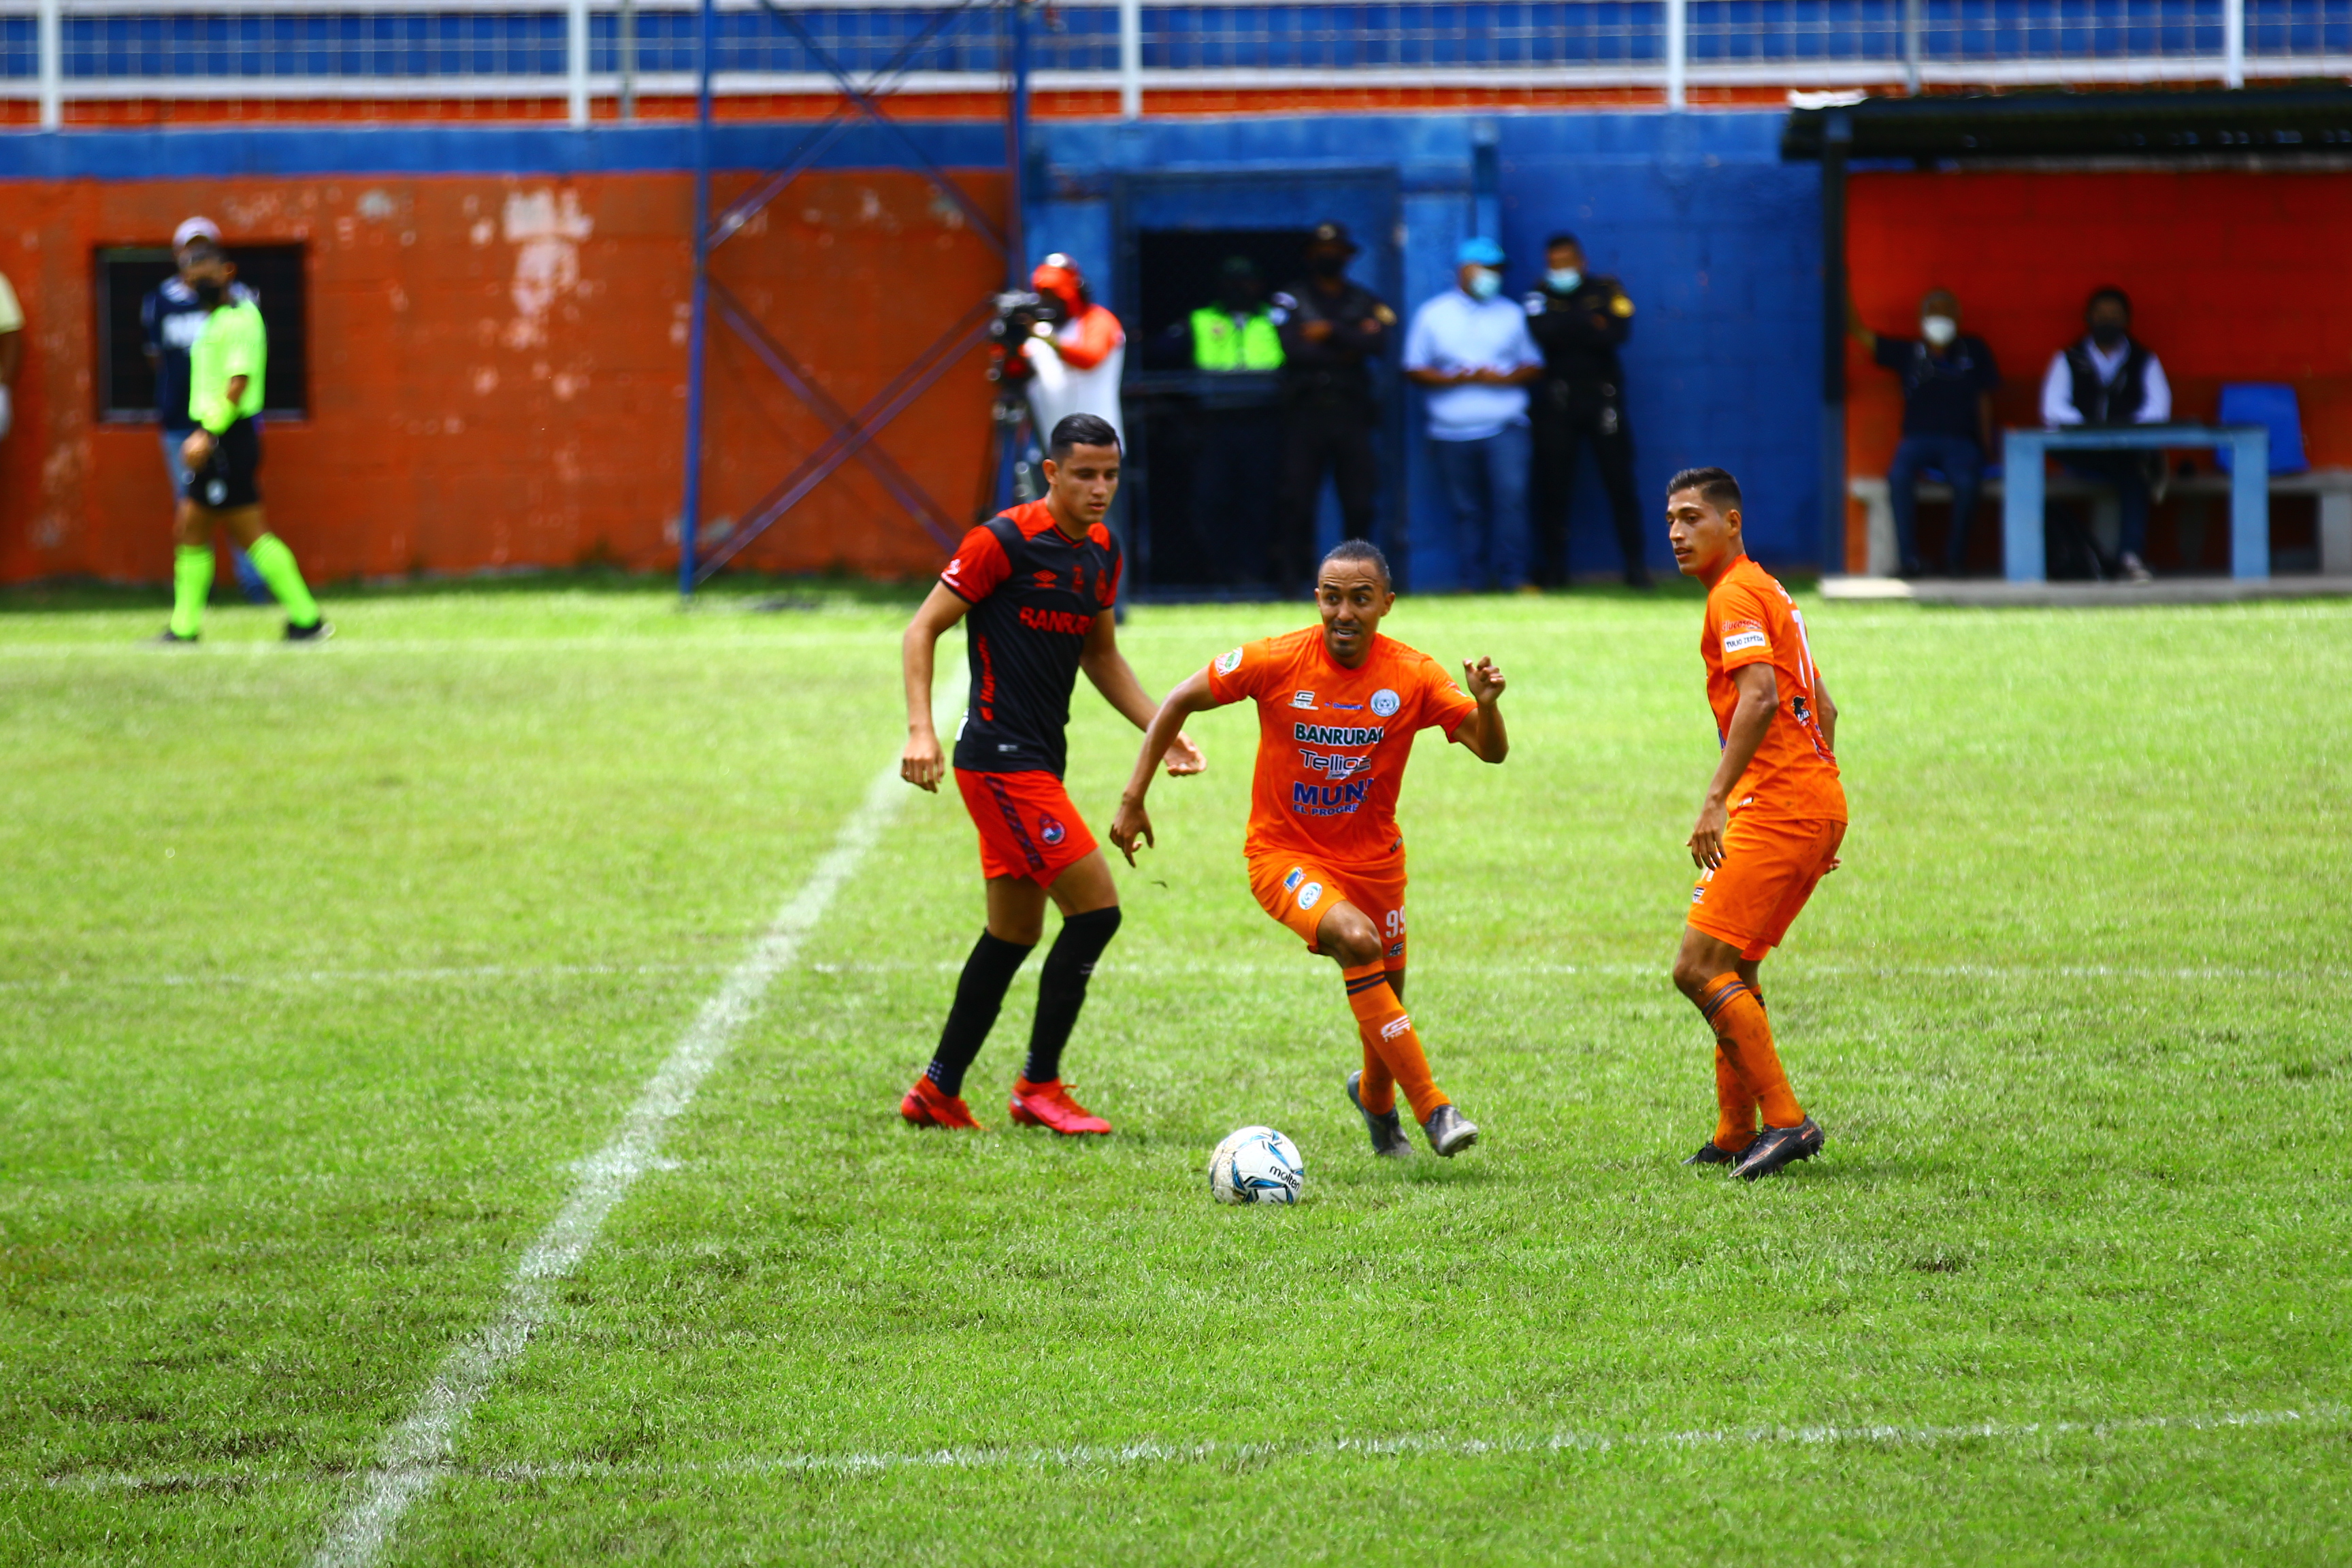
x=1949 y=379
x=12 y=352
x=1470 y=347
x=2109 y=377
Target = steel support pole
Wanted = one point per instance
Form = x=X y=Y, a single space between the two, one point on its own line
x=576 y=60
x=1130 y=59
x=2233 y=42
x=1911 y=47
x=51 y=42
x=1838 y=136
x=625 y=57
x=698 y=339
x=1677 y=52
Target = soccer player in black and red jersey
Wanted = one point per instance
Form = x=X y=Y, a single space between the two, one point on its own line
x=1038 y=582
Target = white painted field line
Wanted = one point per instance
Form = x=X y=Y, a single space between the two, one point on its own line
x=416 y=1454
x=515 y=972
x=1083 y=1456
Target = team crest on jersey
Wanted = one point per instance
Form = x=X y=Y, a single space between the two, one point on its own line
x=1228 y=663
x=1385 y=702
x=1051 y=831
x=1302 y=699
x=1310 y=895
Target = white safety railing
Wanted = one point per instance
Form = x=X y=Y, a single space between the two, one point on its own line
x=580 y=54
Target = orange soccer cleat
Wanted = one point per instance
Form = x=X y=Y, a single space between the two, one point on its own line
x=1049 y=1105
x=925 y=1106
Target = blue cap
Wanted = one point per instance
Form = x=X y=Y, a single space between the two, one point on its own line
x=1478 y=252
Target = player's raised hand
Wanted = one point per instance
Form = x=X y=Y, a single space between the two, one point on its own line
x=921 y=763
x=1132 y=827
x=1482 y=681
x=1185 y=756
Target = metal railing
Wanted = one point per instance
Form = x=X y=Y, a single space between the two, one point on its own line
x=580 y=52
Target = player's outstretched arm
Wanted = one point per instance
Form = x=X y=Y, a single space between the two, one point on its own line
x=1481 y=733
x=1132 y=825
x=922 y=763
x=1759 y=694
x=1112 y=676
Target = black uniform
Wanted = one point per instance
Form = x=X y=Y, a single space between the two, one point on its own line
x=1327 y=394
x=1581 y=398
x=1034 y=593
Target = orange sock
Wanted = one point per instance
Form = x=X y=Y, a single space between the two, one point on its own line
x=1734 y=1103
x=1744 y=1034
x=1389 y=1038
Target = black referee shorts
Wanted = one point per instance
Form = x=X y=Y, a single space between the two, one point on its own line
x=230 y=477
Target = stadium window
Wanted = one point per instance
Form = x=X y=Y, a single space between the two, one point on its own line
x=126 y=381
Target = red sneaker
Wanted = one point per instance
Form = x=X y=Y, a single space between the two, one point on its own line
x=925 y=1106
x=1049 y=1105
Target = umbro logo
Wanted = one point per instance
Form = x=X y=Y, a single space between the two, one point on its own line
x=1045 y=579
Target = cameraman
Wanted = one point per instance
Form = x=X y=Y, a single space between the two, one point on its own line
x=1073 y=362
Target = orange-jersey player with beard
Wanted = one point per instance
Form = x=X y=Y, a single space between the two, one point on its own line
x=1339 y=706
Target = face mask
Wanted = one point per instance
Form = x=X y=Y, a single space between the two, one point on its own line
x=1938 y=330
x=2107 y=334
x=210 y=293
x=1484 y=284
x=1327 y=265
x=1563 y=280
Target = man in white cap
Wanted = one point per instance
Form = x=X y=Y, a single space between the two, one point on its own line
x=171 y=317
x=12 y=351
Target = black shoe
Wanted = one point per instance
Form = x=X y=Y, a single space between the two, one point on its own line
x=1448 y=1133
x=1776 y=1147
x=1388 y=1132
x=1710 y=1153
x=319 y=630
x=167 y=638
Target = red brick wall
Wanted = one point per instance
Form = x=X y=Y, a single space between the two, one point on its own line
x=497 y=370
x=2233 y=277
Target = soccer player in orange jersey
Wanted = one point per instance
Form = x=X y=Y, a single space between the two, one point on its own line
x=1768 y=829
x=1038 y=582
x=1339 y=706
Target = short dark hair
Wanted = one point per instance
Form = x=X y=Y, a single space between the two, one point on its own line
x=1080 y=430
x=2107 y=291
x=1563 y=237
x=1715 y=487
x=1364 y=551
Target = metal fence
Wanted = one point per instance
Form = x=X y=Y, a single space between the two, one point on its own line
x=581 y=51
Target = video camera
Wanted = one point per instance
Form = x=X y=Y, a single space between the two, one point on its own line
x=1020 y=315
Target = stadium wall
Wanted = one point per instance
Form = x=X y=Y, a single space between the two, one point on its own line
x=499 y=349
x=2234 y=274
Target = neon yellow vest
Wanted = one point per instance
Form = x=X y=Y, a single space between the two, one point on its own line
x=1218 y=344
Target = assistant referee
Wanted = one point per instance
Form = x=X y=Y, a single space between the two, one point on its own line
x=226 y=368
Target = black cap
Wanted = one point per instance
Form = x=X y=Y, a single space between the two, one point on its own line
x=1333 y=234
x=1238 y=267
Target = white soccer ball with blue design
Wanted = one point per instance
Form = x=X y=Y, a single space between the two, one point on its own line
x=1256 y=1165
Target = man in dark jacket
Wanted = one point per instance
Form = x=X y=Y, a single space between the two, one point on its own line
x=1332 y=329
x=1949 y=380
x=1579 y=320
x=2109 y=377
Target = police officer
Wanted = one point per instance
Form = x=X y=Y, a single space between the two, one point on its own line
x=1237 y=331
x=1331 y=330
x=1579 y=320
x=1234 y=336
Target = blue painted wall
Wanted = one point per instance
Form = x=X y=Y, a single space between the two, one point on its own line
x=1717 y=240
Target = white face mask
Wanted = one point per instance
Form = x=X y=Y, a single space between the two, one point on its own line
x=1484 y=284
x=1938 y=330
x=1564 y=278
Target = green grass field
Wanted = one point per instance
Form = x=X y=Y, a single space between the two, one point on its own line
x=323 y=971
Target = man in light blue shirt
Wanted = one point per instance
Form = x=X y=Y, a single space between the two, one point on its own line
x=1470 y=348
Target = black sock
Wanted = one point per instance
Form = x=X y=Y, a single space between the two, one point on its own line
x=979 y=993
x=1062 y=988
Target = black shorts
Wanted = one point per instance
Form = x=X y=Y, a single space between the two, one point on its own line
x=230 y=477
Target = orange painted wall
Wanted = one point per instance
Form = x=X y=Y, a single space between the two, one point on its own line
x=2233 y=277
x=499 y=371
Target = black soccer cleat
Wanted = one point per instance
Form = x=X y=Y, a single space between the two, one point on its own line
x=1449 y=1132
x=1389 y=1140
x=319 y=630
x=167 y=638
x=1777 y=1147
x=1712 y=1153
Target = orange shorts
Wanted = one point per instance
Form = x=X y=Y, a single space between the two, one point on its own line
x=1771 y=867
x=1027 y=825
x=1299 y=891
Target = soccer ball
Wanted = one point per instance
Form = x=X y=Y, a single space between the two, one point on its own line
x=1256 y=1165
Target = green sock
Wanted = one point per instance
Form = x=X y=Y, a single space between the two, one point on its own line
x=192 y=581
x=275 y=564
